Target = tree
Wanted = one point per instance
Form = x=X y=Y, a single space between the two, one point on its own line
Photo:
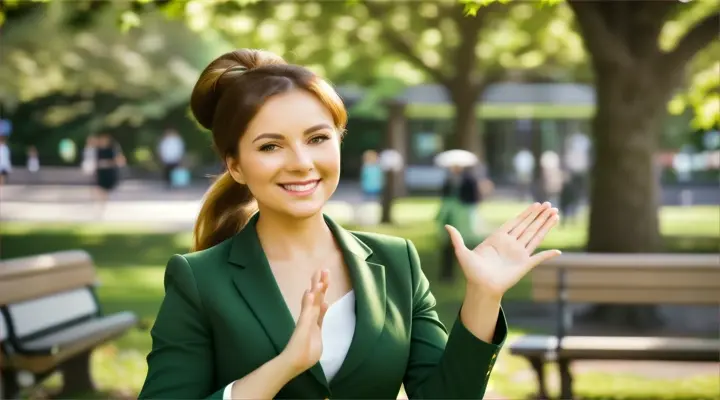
x=640 y=52
x=636 y=75
x=73 y=73
x=366 y=41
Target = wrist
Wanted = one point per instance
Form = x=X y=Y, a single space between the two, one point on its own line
x=290 y=365
x=285 y=367
x=479 y=294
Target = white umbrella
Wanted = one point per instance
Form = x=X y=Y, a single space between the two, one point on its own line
x=456 y=158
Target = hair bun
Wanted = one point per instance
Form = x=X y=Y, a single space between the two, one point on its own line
x=220 y=72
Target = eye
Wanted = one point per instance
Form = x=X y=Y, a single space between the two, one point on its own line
x=319 y=139
x=268 y=147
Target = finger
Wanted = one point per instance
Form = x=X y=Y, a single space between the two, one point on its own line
x=323 y=310
x=542 y=232
x=523 y=225
x=461 y=251
x=455 y=238
x=510 y=224
x=535 y=226
x=325 y=278
x=315 y=279
x=541 y=257
x=309 y=311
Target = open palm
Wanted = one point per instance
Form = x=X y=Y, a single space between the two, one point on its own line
x=502 y=259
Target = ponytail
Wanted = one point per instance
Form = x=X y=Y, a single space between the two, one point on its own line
x=226 y=209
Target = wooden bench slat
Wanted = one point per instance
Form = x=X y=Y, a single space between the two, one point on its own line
x=618 y=348
x=631 y=296
x=637 y=260
x=16 y=267
x=43 y=363
x=80 y=332
x=38 y=285
x=630 y=277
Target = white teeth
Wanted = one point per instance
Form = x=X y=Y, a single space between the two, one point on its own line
x=300 y=188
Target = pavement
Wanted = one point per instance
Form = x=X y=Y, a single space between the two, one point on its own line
x=135 y=201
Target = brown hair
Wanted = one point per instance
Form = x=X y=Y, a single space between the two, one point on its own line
x=226 y=97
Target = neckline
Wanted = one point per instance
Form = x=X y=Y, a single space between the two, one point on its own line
x=341 y=299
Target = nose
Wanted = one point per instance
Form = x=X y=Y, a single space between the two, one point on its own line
x=300 y=159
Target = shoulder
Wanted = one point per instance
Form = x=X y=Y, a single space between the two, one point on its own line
x=199 y=266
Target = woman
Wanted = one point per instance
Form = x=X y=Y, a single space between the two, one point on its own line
x=239 y=318
x=461 y=195
x=108 y=161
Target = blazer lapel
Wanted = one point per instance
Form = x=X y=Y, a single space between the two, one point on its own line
x=370 y=298
x=256 y=284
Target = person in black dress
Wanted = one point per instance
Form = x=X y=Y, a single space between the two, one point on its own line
x=109 y=160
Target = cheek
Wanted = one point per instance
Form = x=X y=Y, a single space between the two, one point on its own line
x=328 y=158
x=260 y=168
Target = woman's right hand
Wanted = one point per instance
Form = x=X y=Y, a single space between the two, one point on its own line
x=305 y=345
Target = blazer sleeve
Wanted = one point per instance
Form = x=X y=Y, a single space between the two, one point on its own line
x=442 y=367
x=180 y=364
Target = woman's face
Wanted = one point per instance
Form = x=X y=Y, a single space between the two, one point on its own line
x=289 y=156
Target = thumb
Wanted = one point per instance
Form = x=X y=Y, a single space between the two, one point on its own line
x=541 y=257
x=456 y=238
x=307 y=311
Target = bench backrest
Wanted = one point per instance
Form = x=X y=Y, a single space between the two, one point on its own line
x=39 y=293
x=630 y=278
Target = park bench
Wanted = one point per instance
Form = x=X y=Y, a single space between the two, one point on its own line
x=643 y=279
x=50 y=320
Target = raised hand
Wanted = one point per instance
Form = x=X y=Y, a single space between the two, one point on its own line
x=305 y=345
x=502 y=259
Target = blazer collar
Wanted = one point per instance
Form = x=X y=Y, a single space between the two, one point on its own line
x=256 y=284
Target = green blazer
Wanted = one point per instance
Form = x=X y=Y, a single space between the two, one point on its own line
x=223 y=316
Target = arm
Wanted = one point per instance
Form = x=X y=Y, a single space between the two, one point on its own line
x=454 y=367
x=180 y=364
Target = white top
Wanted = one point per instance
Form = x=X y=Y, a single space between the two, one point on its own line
x=171 y=149
x=5 y=158
x=340 y=320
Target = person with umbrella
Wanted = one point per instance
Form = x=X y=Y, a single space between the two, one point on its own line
x=461 y=196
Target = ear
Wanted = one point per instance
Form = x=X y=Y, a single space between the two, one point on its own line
x=233 y=167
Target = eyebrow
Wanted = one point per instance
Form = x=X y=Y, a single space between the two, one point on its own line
x=305 y=132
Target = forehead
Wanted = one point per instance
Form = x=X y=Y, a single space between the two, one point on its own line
x=289 y=113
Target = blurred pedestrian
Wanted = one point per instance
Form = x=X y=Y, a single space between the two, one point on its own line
x=171 y=151
x=371 y=176
x=5 y=162
x=461 y=196
x=109 y=160
x=33 y=160
x=524 y=164
x=89 y=156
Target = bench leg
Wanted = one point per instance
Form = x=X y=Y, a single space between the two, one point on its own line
x=77 y=377
x=566 y=390
x=538 y=366
x=9 y=388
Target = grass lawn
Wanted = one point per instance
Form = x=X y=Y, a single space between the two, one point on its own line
x=131 y=262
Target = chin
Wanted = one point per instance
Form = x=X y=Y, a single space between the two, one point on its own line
x=303 y=211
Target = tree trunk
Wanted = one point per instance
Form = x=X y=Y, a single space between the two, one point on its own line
x=634 y=80
x=625 y=188
x=624 y=193
x=467 y=136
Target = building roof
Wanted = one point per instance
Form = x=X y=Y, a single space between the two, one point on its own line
x=500 y=93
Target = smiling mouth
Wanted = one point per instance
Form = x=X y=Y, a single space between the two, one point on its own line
x=300 y=187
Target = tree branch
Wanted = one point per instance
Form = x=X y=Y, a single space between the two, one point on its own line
x=696 y=39
x=601 y=41
x=401 y=44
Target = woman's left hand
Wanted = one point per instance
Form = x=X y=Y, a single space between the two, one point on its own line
x=502 y=259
